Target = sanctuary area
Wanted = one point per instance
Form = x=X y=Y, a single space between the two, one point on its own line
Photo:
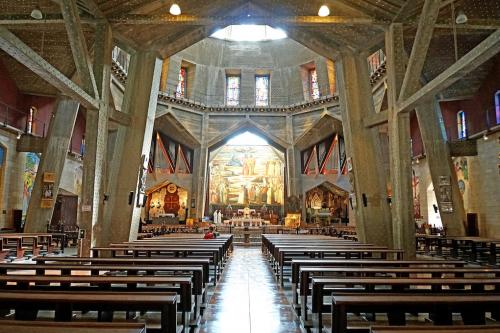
x=249 y=166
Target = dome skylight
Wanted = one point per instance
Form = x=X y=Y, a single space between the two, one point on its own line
x=249 y=33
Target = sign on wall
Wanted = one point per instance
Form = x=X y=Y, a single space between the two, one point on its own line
x=445 y=198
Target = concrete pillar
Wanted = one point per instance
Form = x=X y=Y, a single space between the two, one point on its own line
x=134 y=143
x=373 y=219
x=440 y=165
x=403 y=226
x=293 y=173
x=96 y=134
x=53 y=158
x=200 y=172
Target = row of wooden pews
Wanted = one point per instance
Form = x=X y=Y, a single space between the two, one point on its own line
x=19 y=245
x=172 y=283
x=357 y=278
x=479 y=250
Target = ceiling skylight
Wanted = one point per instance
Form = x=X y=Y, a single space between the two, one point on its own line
x=247 y=139
x=249 y=33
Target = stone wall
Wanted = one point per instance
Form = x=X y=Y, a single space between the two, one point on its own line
x=212 y=59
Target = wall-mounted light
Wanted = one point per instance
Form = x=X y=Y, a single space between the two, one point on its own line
x=175 y=9
x=323 y=11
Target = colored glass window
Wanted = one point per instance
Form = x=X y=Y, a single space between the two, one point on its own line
x=497 y=106
x=262 y=90
x=313 y=84
x=233 y=90
x=180 y=92
x=461 y=125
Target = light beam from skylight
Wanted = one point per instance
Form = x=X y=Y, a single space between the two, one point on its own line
x=249 y=33
x=247 y=139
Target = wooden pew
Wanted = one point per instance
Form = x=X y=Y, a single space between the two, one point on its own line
x=19 y=326
x=298 y=263
x=341 y=252
x=64 y=303
x=440 y=305
x=397 y=285
x=205 y=263
x=110 y=283
x=434 y=329
x=350 y=272
x=214 y=253
x=196 y=272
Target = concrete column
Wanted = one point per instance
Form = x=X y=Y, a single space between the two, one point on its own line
x=96 y=135
x=200 y=180
x=293 y=173
x=373 y=219
x=403 y=226
x=53 y=158
x=440 y=164
x=134 y=143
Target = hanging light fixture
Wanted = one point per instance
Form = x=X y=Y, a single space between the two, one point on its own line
x=175 y=9
x=36 y=13
x=461 y=17
x=323 y=11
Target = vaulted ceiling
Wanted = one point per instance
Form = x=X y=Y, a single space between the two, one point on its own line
x=356 y=25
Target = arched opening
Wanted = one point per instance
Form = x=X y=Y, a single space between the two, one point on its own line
x=166 y=204
x=327 y=204
x=247 y=172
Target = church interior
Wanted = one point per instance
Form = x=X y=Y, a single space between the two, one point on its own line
x=249 y=166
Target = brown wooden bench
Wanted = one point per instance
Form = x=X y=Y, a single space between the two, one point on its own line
x=396 y=285
x=441 y=306
x=10 y=326
x=27 y=303
x=440 y=329
x=214 y=253
x=108 y=283
x=56 y=260
x=196 y=272
x=397 y=272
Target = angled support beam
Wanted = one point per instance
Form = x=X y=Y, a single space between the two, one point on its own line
x=79 y=46
x=487 y=49
x=421 y=44
x=119 y=117
x=375 y=119
x=17 y=49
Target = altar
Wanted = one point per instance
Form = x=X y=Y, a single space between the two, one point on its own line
x=246 y=222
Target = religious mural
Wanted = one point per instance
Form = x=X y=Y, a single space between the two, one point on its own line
x=167 y=199
x=247 y=175
x=30 y=169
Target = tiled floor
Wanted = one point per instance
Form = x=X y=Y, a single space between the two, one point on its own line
x=247 y=299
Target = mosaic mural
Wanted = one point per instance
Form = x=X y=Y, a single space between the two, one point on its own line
x=246 y=175
x=30 y=169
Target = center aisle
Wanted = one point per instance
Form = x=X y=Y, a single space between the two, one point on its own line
x=248 y=300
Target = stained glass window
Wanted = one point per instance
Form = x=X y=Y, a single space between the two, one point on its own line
x=262 y=90
x=313 y=84
x=497 y=106
x=180 y=92
x=233 y=90
x=461 y=125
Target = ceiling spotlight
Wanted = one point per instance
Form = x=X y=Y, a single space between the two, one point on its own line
x=324 y=11
x=18 y=135
x=461 y=17
x=36 y=13
x=485 y=137
x=175 y=9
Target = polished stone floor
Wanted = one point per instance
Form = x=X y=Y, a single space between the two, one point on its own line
x=247 y=299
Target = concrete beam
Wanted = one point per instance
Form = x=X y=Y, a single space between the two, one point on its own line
x=487 y=49
x=375 y=119
x=194 y=20
x=52 y=161
x=17 y=49
x=119 y=117
x=421 y=45
x=78 y=46
x=30 y=143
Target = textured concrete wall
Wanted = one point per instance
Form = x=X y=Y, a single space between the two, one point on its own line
x=481 y=184
x=213 y=59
